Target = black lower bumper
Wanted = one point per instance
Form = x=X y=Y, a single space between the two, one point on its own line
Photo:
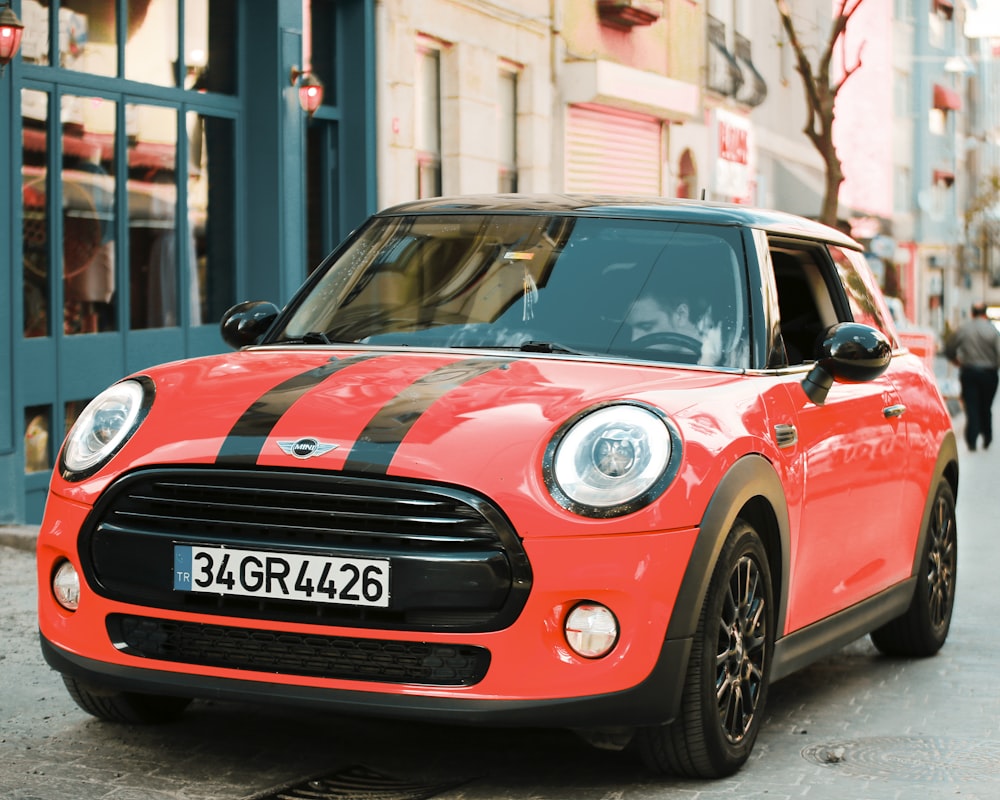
x=652 y=702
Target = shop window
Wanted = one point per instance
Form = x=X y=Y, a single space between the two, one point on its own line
x=428 y=122
x=71 y=413
x=37 y=439
x=507 y=131
x=155 y=260
x=211 y=221
x=37 y=317
x=88 y=201
x=91 y=35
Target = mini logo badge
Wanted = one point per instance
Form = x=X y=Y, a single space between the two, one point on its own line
x=305 y=448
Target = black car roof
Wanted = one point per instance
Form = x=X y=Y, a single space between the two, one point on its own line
x=665 y=208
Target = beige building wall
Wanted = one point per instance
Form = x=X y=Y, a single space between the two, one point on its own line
x=476 y=40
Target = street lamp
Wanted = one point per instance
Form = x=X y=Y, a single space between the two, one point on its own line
x=11 y=31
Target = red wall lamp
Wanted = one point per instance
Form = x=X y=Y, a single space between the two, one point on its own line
x=11 y=31
x=310 y=89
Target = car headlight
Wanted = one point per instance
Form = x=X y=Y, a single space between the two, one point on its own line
x=104 y=426
x=612 y=460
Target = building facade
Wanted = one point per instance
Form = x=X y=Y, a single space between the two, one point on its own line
x=158 y=166
x=154 y=172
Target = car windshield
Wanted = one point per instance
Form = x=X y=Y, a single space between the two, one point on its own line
x=623 y=288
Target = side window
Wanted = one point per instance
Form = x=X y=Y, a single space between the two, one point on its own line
x=804 y=302
x=862 y=292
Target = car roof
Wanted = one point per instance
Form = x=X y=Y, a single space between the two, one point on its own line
x=597 y=205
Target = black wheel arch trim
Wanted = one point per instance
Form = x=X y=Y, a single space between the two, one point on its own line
x=946 y=467
x=751 y=477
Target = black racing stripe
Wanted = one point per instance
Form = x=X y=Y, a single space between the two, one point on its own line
x=247 y=437
x=380 y=439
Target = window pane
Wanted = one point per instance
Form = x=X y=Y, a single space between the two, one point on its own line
x=211 y=201
x=152 y=41
x=320 y=28
x=37 y=448
x=35 y=232
x=428 y=102
x=88 y=36
x=88 y=193
x=507 y=131
x=209 y=39
x=154 y=259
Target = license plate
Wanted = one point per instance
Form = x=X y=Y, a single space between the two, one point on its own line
x=284 y=576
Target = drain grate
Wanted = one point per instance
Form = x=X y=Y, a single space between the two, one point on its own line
x=356 y=783
x=922 y=759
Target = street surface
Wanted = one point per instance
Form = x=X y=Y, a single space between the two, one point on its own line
x=856 y=726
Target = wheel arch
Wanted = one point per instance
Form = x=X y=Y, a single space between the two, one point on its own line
x=945 y=467
x=750 y=490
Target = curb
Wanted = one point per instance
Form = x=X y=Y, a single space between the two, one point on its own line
x=19 y=537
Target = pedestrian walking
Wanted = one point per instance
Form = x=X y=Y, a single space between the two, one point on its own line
x=975 y=349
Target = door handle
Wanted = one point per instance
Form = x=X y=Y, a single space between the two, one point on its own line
x=896 y=410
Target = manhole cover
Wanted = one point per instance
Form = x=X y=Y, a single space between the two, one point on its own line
x=356 y=783
x=928 y=759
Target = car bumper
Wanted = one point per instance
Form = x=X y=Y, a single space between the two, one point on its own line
x=532 y=676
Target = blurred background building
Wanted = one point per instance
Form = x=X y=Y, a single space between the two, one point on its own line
x=164 y=159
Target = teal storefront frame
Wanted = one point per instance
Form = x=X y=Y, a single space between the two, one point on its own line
x=281 y=214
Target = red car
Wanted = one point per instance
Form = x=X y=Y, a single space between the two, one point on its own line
x=604 y=463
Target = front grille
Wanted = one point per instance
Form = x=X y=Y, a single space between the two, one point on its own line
x=456 y=563
x=299 y=654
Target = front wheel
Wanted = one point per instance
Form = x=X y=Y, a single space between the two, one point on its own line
x=922 y=630
x=726 y=683
x=129 y=707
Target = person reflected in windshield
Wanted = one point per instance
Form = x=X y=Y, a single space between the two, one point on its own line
x=664 y=326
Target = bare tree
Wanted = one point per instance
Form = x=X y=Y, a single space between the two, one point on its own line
x=821 y=87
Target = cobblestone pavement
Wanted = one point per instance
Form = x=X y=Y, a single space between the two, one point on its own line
x=856 y=726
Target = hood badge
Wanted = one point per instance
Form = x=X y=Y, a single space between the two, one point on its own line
x=307 y=447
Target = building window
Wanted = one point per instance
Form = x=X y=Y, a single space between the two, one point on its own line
x=37 y=439
x=130 y=183
x=902 y=190
x=724 y=73
x=428 y=121
x=507 y=131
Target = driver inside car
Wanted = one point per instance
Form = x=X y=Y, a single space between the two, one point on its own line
x=648 y=316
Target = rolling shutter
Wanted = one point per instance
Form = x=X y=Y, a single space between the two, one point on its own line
x=608 y=151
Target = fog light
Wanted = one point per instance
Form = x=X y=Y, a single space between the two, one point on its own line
x=66 y=586
x=591 y=630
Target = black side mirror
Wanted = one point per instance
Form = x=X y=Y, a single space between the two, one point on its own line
x=849 y=352
x=246 y=322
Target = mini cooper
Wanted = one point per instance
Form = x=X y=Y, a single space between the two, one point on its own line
x=606 y=464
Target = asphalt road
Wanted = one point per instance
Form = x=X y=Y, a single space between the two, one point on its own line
x=856 y=726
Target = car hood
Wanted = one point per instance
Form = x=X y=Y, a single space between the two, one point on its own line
x=481 y=419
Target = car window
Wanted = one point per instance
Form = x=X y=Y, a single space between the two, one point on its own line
x=862 y=294
x=630 y=288
x=804 y=301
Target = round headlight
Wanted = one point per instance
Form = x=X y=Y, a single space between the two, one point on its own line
x=611 y=461
x=103 y=427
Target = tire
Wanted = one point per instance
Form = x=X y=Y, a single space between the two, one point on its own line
x=128 y=707
x=923 y=629
x=726 y=683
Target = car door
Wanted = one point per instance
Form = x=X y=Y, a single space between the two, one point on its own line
x=852 y=448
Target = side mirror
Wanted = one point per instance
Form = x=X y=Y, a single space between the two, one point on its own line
x=246 y=322
x=849 y=352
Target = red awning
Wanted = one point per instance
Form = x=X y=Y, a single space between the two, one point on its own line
x=946 y=99
x=944 y=176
